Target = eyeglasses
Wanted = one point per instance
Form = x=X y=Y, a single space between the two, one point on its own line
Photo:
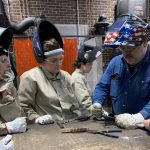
x=55 y=61
x=129 y=48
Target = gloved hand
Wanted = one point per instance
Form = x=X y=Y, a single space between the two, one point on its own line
x=46 y=119
x=147 y=124
x=129 y=121
x=96 y=111
x=17 y=125
x=7 y=143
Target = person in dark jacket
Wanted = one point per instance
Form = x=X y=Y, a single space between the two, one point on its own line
x=127 y=77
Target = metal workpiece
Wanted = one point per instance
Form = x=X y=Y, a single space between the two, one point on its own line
x=94 y=131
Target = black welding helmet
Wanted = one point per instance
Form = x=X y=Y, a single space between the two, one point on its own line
x=6 y=35
x=44 y=31
x=88 y=53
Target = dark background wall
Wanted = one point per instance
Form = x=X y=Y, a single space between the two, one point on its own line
x=61 y=11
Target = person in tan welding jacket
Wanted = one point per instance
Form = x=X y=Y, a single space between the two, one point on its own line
x=46 y=93
x=11 y=120
x=83 y=65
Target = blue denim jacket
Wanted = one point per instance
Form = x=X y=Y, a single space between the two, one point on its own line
x=130 y=92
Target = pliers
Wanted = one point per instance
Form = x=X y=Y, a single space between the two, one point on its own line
x=106 y=132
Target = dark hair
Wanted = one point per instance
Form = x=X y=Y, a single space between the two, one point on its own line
x=50 y=44
x=3 y=51
x=77 y=63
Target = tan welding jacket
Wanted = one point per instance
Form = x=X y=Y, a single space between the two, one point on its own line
x=40 y=93
x=9 y=107
x=83 y=90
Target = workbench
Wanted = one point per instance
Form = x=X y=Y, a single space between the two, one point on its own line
x=50 y=137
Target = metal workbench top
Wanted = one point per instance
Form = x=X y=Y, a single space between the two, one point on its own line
x=50 y=137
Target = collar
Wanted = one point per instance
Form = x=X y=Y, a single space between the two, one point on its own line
x=51 y=76
x=79 y=71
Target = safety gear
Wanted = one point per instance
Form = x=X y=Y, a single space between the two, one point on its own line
x=7 y=143
x=46 y=119
x=6 y=35
x=96 y=111
x=45 y=30
x=88 y=54
x=127 y=30
x=129 y=121
x=17 y=125
x=54 y=52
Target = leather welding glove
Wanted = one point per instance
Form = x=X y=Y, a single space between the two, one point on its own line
x=46 y=119
x=17 y=125
x=7 y=143
x=96 y=111
x=129 y=121
x=147 y=124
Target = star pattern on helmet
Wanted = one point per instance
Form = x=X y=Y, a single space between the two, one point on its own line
x=132 y=32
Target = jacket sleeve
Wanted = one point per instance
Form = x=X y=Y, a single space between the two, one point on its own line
x=102 y=89
x=9 y=107
x=26 y=96
x=146 y=111
x=71 y=83
x=83 y=95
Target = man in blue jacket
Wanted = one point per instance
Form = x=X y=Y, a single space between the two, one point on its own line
x=127 y=77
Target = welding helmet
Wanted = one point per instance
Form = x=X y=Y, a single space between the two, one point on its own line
x=6 y=35
x=88 y=53
x=127 y=30
x=44 y=31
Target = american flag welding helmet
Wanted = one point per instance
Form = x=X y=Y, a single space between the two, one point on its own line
x=127 y=30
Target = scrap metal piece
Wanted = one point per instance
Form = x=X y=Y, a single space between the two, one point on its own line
x=74 y=130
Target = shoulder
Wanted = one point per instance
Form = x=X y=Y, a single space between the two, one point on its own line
x=65 y=74
x=66 y=77
x=77 y=75
x=116 y=60
x=33 y=73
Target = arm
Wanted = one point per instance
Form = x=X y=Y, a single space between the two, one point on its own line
x=9 y=108
x=70 y=81
x=146 y=111
x=83 y=94
x=102 y=89
x=8 y=103
x=26 y=96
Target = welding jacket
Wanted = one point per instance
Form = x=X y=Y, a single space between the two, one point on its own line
x=9 y=107
x=41 y=93
x=130 y=92
x=83 y=91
